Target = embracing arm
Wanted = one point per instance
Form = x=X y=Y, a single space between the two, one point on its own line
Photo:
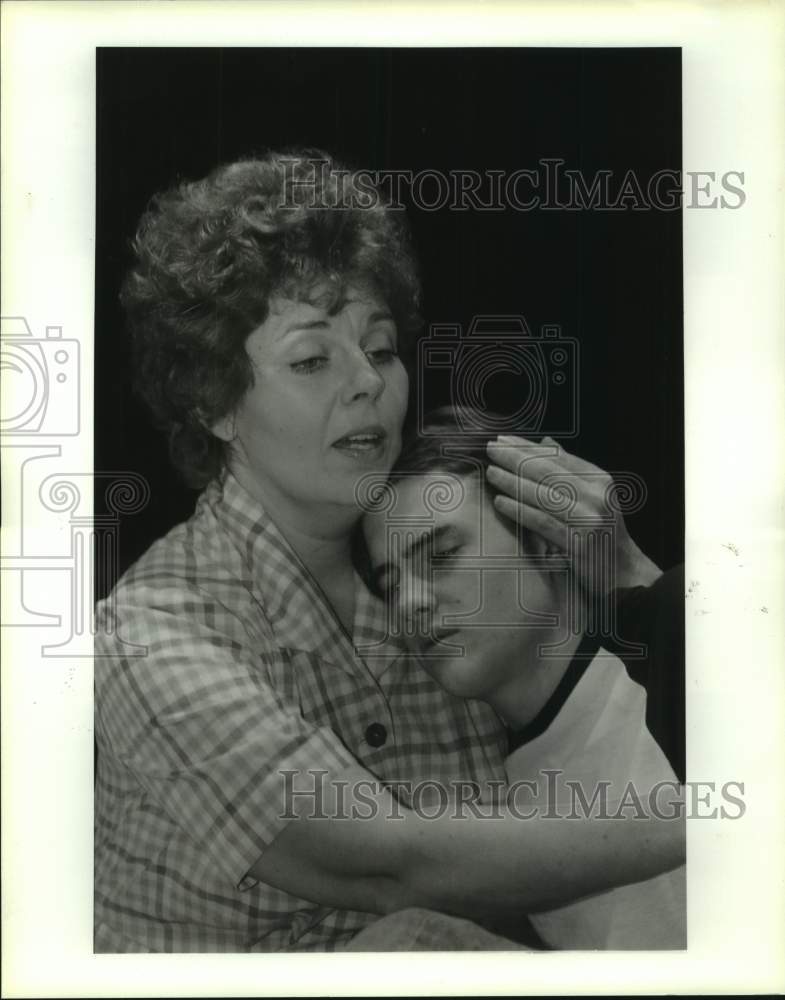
x=209 y=739
x=494 y=866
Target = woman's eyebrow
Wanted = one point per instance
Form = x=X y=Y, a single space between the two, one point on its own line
x=303 y=326
x=297 y=326
x=381 y=316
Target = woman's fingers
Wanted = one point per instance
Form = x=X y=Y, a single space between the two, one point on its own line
x=525 y=459
x=533 y=518
x=550 y=449
x=537 y=480
x=543 y=492
x=568 y=495
x=530 y=491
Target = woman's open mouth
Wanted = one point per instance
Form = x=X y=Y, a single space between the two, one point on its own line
x=362 y=443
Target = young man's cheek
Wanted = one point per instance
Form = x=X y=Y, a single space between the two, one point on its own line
x=460 y=592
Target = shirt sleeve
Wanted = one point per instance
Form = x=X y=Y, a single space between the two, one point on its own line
x=197 y=722
x=654 y=617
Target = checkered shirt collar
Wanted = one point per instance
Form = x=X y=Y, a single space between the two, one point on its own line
x=294 y=605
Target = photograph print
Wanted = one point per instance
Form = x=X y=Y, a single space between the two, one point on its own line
x=390 y=649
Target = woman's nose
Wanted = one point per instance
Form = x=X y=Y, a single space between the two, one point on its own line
x=363 y=378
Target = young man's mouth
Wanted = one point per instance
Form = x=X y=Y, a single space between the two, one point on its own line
x=440 y=641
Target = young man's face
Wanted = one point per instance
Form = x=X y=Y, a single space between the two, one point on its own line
x=470 y=601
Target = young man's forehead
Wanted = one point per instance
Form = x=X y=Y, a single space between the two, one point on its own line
x=435 y=496
x=420 y=503
x=425 y=506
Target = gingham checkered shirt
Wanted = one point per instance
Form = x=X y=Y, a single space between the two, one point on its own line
x=246 y=673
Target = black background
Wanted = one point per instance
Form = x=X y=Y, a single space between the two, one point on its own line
x=612 y=280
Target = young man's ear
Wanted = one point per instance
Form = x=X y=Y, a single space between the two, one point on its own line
x=537 y=545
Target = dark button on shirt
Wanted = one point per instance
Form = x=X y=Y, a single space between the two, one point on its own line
x=376 y=734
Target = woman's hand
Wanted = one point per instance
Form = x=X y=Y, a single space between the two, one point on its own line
x=567 y=501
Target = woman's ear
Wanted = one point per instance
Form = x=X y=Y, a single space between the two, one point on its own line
x=225 y=428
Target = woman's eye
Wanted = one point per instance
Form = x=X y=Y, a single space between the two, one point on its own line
x=308 y=365
x=382 y=355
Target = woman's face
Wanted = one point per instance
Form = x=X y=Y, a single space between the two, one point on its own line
x=326 y=406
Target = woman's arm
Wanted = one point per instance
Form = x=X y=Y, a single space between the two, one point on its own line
x=199 y=726
x=471 y=866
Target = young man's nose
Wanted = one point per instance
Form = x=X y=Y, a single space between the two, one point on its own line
x=418 y=606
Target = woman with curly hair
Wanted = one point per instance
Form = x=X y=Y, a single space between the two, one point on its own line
x=268 y=758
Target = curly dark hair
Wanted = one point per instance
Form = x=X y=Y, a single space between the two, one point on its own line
x=210 y=255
